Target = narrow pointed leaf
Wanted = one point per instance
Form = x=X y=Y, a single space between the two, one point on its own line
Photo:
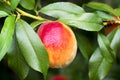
x=62 y=9
x=7 y=34
x=32 y=48
x=37 y=4
x=86 y=21
x=14 y=3
x=5 y=7
x=101 y=6
x=117 y=11
x=114 y=37
x=98 y=65
x=16 y=61
x=82 y=42
x=27 y=4
x=35 y=23
x=104 y=45
x=33 y=75
x=76 y=18
x=104 y=15
x=3 y=14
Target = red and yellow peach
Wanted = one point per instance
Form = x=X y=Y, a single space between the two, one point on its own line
x=59 y=41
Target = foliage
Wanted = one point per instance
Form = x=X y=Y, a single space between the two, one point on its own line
x=25 y=54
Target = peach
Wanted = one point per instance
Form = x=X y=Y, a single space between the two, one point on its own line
x=59 y=77
x=59 y=41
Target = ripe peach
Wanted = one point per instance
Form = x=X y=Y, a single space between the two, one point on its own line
x=59 y=77
x=59 y=41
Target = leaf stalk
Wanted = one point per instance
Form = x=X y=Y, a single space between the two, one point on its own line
x=29 y=15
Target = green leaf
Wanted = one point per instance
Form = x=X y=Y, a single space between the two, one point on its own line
x=62 y=9
x=32 y=48
x=36 y=23
x=6 y=35
x=114 y=39
x=117 y=11
x=104 y=16
x=16 y=61
x=27 y=4
x=82 y=41
x=104 y=45
x=14 y=3
x=37 y=5
x=101 y=6
x=98 y=66
x=76 y=18
x=33 y=75
x=5 y=7
x=86 y=21
x=3 y=14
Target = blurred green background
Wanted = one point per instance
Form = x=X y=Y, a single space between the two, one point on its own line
x=78 y=70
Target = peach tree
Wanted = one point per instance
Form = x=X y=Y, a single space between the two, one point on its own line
x=95 y=27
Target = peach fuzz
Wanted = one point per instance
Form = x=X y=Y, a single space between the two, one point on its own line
x=59 y=41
